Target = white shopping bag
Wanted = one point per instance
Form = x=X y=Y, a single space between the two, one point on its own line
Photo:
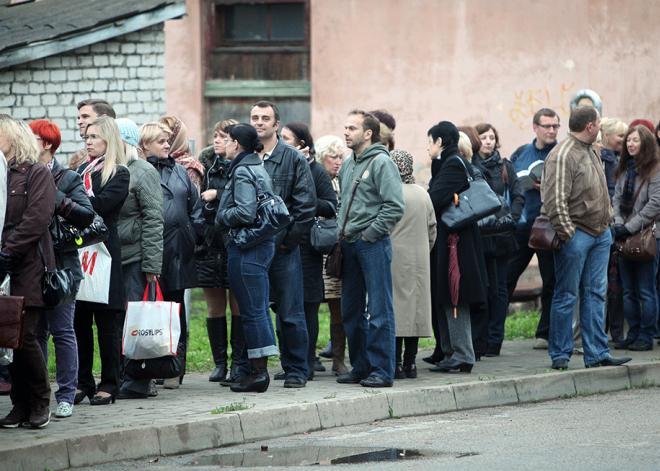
x=96 y=264
x=6 y=354
x=151 y=329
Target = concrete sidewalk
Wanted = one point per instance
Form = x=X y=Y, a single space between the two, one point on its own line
x=181 y=421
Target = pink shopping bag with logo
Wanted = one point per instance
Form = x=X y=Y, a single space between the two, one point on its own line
x=151 y=329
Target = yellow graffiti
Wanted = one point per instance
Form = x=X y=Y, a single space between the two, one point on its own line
x=527 y=102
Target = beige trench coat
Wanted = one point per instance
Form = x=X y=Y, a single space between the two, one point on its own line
x=412 y=240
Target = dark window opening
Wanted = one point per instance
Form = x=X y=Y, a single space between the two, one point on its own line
x=280 y=23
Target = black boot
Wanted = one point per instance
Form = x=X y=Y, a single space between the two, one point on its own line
x=237 y=342
x=217 y=330
x=258 y=379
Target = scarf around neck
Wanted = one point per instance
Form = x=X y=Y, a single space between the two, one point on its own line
x=627 y=199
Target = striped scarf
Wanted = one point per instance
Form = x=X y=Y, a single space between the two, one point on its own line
x=627 y=199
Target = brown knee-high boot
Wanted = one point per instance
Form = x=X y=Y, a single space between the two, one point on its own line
x=338 y=341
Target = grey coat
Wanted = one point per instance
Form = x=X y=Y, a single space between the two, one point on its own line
x=183 y=225
x=646 y=207
x=140 y=222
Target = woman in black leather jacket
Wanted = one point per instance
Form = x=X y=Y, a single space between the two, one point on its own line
x=72 y=205
x=248 y=268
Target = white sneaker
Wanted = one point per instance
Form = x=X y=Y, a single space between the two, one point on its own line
x=64 y=409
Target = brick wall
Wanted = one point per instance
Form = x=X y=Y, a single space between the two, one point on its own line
x=127 y=71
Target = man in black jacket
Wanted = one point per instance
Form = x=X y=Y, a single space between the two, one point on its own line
x=292 y=181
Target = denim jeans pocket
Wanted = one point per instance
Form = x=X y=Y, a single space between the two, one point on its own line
x=263 y=253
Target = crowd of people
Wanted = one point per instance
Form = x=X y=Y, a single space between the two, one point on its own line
x=172 y=218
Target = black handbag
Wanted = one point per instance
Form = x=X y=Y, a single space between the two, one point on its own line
x=272 y=217
x=69 y=237
x=58 y=286
x=323 y=235
x=475 y=203
x=500 y=223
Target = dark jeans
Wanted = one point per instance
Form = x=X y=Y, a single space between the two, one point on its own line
x=248 y=277
x=58 y=322
x=640 y=297
x=30 y=385
x=109 y=346
x=371 y=340
x=518 y=262
x=312 y=320
x=285 y=276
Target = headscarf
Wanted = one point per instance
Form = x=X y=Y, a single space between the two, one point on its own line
x=180 y=150
x=404 y=161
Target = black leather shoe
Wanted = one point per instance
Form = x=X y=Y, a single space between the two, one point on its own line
x=623 y=345
x=609 y=361
x=102 y=400
x=410 y=370
x=128 y=394
x=82 y=395
x=493 y=349
x=433 y=359
x=257 y=381
x=318 y=366
x=350 y=378
x=375 y=382
x=560 y=364
x=640 y=345
x=295 y=382
x=233 y=380
x=399 y=372
x=451 y=364
x=280 y=376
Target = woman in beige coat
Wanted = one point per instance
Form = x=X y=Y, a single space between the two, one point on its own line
x=411 y=267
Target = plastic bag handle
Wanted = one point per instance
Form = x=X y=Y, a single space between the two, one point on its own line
x=159 y=293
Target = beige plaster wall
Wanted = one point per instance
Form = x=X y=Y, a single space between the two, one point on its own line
x=184 y=72
x=470 y=61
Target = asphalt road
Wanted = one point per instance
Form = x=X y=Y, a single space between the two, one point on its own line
x=616 y=431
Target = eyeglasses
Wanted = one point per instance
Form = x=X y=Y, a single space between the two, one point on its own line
x=93 y=137
x=549 y=126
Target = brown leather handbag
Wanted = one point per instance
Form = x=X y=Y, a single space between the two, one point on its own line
x=12 y=312
x=543 y=236
x=639 y=247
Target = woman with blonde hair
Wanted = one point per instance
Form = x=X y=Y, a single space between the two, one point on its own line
x=330 y=154
x=30 y=208
x=183 y=227
x=613 y=132
x=106 y=181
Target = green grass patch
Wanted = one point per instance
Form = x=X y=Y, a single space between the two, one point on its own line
x=521 y=325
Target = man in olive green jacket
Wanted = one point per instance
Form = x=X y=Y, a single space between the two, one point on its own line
x=367 y=251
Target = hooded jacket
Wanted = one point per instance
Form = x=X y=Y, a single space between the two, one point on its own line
x=378 y=204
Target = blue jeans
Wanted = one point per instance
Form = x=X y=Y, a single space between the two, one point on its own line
x=286 y=280
x=371 y=341
x=58 y=322
x=580 y=267
x=248 y=276
x=498 y=305
x=640 y=297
